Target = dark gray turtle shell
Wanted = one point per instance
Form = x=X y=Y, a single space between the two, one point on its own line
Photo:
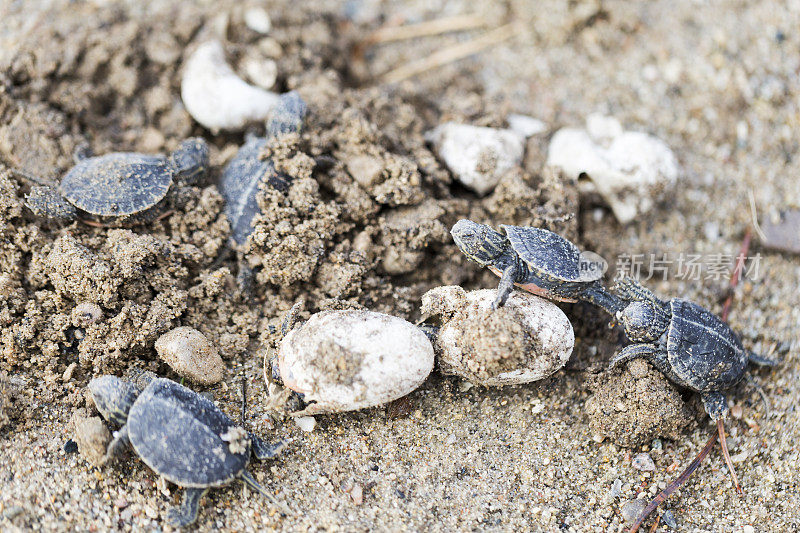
x=702 y=349
x=239 y=188
x=178 y=433
x=549 y=255
x=117 y=184
x=246 y=172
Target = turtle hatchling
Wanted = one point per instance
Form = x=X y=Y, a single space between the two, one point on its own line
x=537 y=260
x=248 y=169
x=120 y=188
x=181 y=435
x=690 y=345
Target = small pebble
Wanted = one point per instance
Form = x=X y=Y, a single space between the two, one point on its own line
x=191 y=355
x=477 y=156
x=262 y=72
x=306 y=423
x=257 y=19
x=365 y=169
x=70 y=446
x=630 y=170
x=736 y=411
x=644 y=462
x=121 y=503
x=85 y=314
x=357 y=494
x=525 y=126
x=6 y=285
x=67 y=375
x=631 y=510
x=669 y=519
x=13 y=511
x=92 y=437
x=782 y=232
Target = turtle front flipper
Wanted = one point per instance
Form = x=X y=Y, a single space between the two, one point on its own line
x=715 y=404
x=264 y=450
x=629 y=353
x=186 y=514
x=117 y=446
x=597 y=295
x=506 y=286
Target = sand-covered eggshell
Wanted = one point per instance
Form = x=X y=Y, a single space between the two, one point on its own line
x=350 y=359
x=525 y=340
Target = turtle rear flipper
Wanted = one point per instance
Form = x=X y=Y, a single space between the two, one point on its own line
x=760 y=360
x=186 y=514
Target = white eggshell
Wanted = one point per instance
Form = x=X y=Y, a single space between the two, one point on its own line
x=216 y=97
x=550 y=338
x=349 y=359
x=630 y=170
x=477 y=156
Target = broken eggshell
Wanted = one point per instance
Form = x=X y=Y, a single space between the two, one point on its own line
x=216 y=97
x=629 y=169
x=526 y=340
x=350 y=359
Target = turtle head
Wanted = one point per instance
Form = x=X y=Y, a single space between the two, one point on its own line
x=190 y=160
x=113 y=397
x=479 y=242
x=642 y=321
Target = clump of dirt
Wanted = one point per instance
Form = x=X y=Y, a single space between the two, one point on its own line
x=363 y=224
x=634 y=406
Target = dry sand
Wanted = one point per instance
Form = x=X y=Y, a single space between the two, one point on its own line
x=717 y=82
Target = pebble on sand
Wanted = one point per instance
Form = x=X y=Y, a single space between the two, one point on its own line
x=527 y=339
x=191 y=355
x=629 y=169
x=92 y=437
x=216 y=97
x=477 y=156
x=632 y=509
x=347 y=359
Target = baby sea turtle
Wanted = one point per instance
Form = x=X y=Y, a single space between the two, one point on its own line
x=120 y=188
x=690 y=345
x=248 y=169
x=534 y=259
x=181 y=435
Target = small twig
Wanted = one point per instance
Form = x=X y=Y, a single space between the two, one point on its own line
x=737 y=274
x=244 y=394
x=424 y=29
x=724 y=444
x=754 y=215
x=672 y=487
x=655 y=524
x=452 y=53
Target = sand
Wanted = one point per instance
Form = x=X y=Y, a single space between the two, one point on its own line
x=717 y=83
